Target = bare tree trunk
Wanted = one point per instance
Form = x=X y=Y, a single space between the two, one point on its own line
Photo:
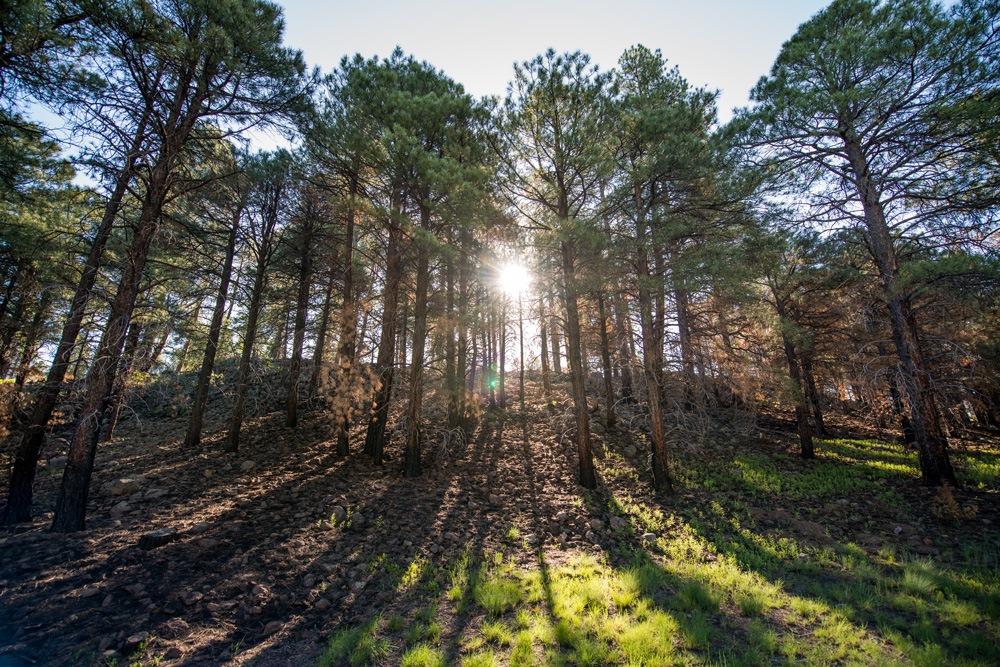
x=324 y=326
x=588 y=476
x=556 y=362
x=935 y=466
x=347 y=347
x=813 y=395
x=411 y=454
x=193 y=436
x=650 y=354
x=625 y=358
x=375 y=436
x=609 y=390
x=73 y=492
x=546 y=376
x=120 y=388
x=301 y=310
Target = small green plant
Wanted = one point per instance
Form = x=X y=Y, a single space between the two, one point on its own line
x=423 y=656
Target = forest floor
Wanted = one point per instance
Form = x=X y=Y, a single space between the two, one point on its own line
x=285 y=555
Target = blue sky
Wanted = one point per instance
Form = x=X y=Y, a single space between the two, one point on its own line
x=725 y=44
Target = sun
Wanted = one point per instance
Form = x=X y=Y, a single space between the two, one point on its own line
x=513 y=279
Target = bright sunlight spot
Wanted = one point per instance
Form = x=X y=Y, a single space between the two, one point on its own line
x=513 y=279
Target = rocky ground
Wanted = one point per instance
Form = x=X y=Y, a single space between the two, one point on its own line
x=205 y=558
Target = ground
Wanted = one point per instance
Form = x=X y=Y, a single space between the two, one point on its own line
x=285 y=555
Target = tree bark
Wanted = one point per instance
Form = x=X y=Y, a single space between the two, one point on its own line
x=301 y=310
x=546 y=376
x=609 y=390
x=375 y=435
x=935 y=466
x=588 y=475
x=193 y=436
x=411 y=453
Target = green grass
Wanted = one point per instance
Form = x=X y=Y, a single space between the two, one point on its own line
x=716 y=589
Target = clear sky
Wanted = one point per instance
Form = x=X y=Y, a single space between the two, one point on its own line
x=721 y=44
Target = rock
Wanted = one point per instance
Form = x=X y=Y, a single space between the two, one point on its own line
x=309 y=581
x=494 y=499
x=809 y=529
x=591 y=536
x=247 y=466
x=649 y=539
x=273 y=627
x=157 y=538
x=618 y=523
x=57 y=463
x=631 y=451
x=190 y=598
x=322 y=604
x=597 y=525
x=118 y=510
x=561 y=516
x=153 y=494
x=473 y=505
x=173 y=653
x=339 y=514
x=531 y=539
x=126 y=487
x=358 y=521
x=199 y=528
x=208 y=543
x=89 y=592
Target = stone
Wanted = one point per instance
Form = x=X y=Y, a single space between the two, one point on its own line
x=309 y=581
x=208 y=543
x=57 y=463
x=339 y=514
x=473 y=505
x=173 y=653
x=199 y=528
x=126 y=487
x=153 y=494
x=809 y=529
x=561 y=516
x=273 y=627
x=358 y=521
x=247 y=466
x=494 y=499
x=190 y=598
x=591 y=536
x=531 y=539
x=118 y=510
x=157 y=538
x=89 y=592
x=618 y=523
x=597 y=525
x=631 y=451
x=648 y=539
x=322 y=604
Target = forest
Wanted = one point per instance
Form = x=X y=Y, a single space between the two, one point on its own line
x=579 y=375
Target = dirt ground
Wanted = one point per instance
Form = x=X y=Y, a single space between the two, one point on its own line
x=260 y=570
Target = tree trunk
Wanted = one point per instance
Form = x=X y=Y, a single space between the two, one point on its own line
x=324 y=326
x=554 y=329
x=609 y=390
x=546 y=376
x=660 y=463
x=411 y=454
x=588 y=476
x=301 y=309
x=120 y=388
x=625 y=358
x=193 y=436
x=375 y=436
x=347 y=347
x=813 y=395
x=72 y=502
x=935 y=467
x=30 y=346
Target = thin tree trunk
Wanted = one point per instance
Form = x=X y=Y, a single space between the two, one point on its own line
x=324 y=326
x=375 y=435
x=609 y=390
x=347 y=347
x=121 y=383
x=588 y=476
x=813 y=395
x=411 y=453
x=193 y=436
x=546 y=375
x=301 y=310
